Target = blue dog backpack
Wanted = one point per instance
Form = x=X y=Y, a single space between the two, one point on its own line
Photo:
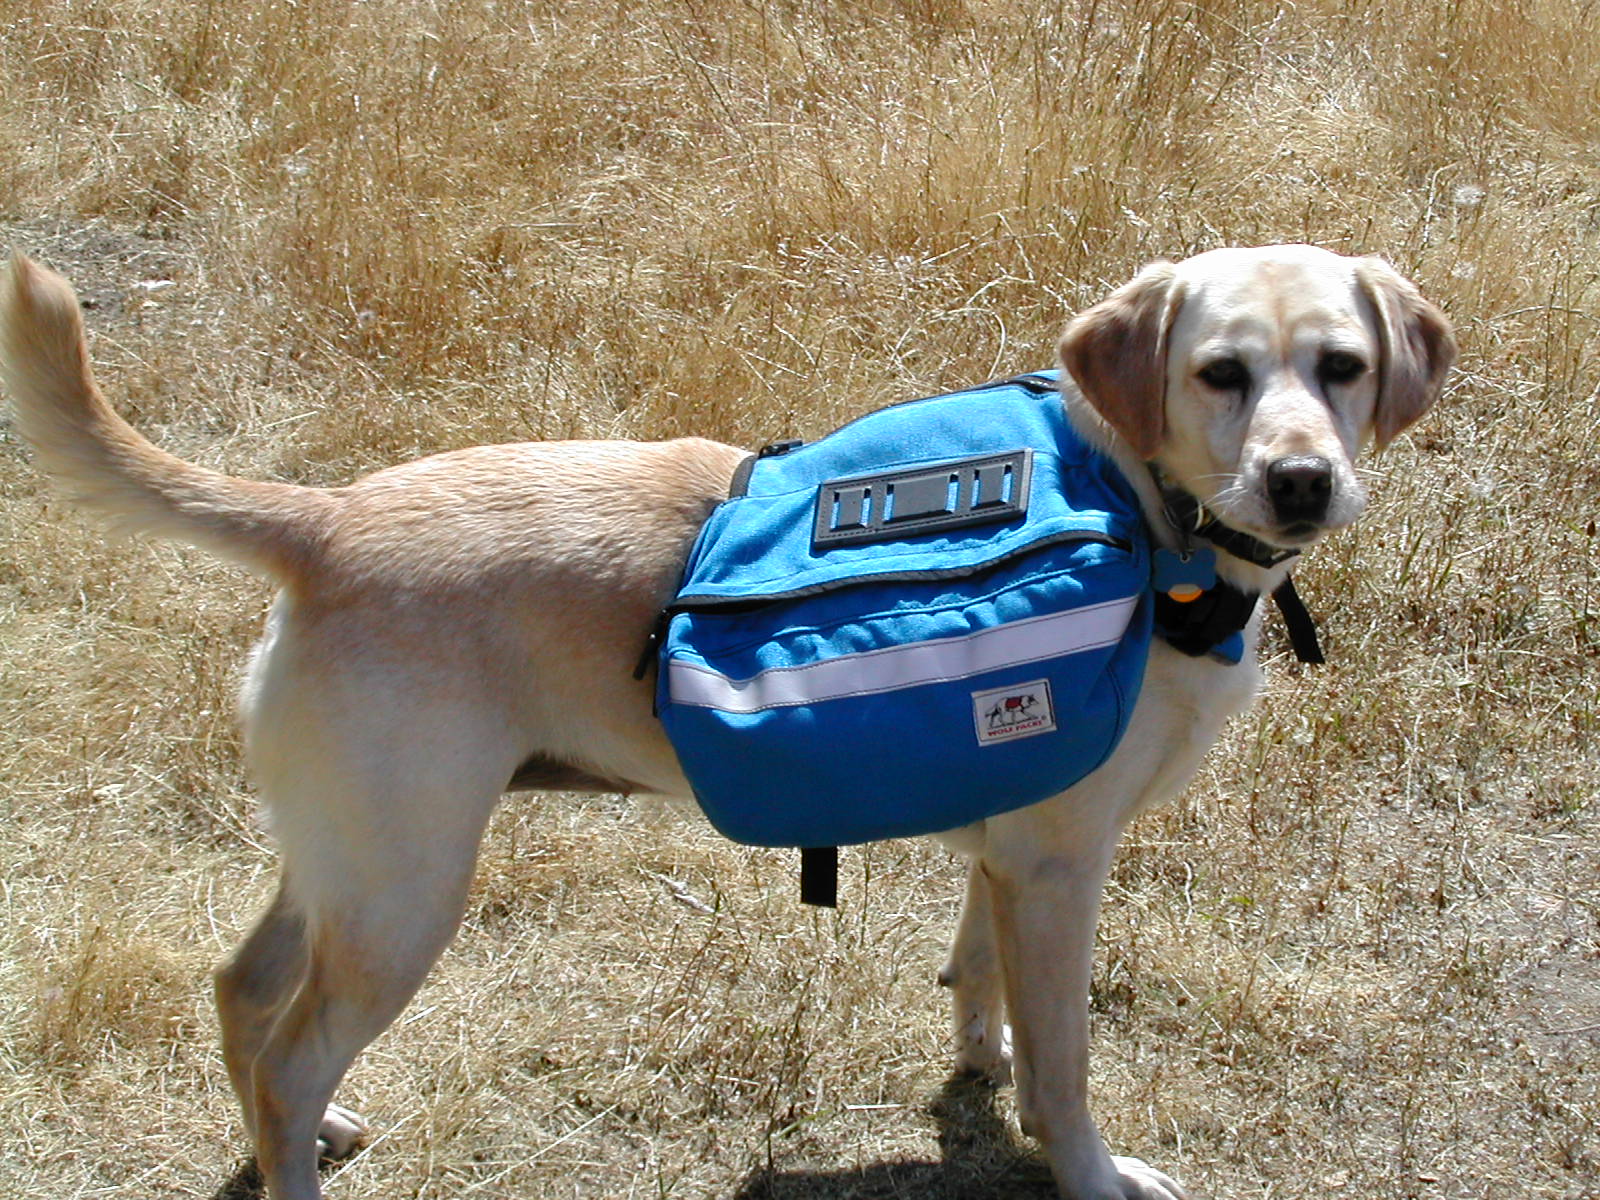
x=937 y=613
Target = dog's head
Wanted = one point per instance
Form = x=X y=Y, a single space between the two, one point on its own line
x=1253 y=377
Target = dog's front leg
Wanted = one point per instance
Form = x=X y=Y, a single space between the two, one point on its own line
x=972 y=973
x=1045 y=867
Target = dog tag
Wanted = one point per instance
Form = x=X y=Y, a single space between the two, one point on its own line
x=1185 y=577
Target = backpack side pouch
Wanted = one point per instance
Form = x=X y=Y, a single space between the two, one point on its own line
x=936 y=670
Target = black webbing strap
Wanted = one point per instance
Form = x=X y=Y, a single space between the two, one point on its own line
x=1302 y=629
x=819 y=876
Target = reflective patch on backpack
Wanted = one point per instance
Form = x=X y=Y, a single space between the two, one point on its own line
x=1019 y=711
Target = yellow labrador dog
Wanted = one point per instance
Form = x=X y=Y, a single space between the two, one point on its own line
x=468 y=623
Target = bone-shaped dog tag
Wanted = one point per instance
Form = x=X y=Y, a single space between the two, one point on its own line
x=1185 y=576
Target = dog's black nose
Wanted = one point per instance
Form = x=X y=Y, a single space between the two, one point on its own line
x=1300 y=486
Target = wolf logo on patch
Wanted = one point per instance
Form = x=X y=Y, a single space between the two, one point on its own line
x=1021 y=710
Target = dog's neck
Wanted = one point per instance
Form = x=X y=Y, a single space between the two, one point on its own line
x=1238 y=562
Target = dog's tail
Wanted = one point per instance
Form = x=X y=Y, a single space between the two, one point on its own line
x=106 y=465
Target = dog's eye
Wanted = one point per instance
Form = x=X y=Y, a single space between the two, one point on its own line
x=1226 y=375
x=1339 y=367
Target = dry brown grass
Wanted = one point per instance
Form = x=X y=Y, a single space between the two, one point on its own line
x=1362 y=956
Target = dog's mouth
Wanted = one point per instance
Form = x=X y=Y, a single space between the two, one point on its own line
x=1285 y=526
x=1253 y=509
x=1297 y=533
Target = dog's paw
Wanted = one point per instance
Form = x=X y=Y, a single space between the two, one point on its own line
x=984 y=1052
x=1141 y=1181
x=340 y=1133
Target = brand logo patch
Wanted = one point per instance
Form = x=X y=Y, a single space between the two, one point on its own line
x=1005 y=714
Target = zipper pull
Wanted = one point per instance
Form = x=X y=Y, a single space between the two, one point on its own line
x=652 y=644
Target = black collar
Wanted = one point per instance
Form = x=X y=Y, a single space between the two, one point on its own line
x=1190 y=519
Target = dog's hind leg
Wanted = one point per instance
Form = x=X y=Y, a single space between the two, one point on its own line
x=367 y=950
x=378 y=760
x=253 y=988
x=972 y=974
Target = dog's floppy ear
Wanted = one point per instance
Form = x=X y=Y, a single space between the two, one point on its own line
x=1417 y=346
x=1116 y=352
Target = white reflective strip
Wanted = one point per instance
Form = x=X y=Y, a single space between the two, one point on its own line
x=934 y=661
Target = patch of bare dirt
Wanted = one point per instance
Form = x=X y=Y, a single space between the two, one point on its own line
x=114 y=271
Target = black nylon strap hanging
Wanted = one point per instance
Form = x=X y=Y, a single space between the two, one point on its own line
x=819 y=876
x=1302 y=629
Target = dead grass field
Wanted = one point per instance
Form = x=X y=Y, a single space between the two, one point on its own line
x=1361 y=958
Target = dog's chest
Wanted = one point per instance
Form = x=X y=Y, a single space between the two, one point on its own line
x=1182 y=708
